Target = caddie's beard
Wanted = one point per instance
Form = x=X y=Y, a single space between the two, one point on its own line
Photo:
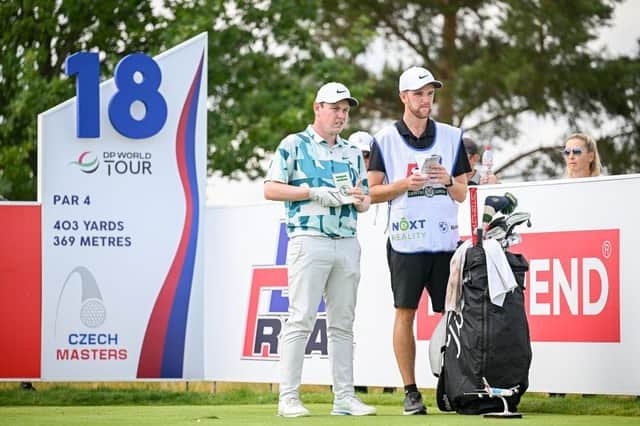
x=418 y=112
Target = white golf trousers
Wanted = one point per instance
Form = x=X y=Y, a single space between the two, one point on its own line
x=320 y=266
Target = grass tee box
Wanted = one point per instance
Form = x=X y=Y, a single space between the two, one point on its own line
x=250 y=415
x=71 y=404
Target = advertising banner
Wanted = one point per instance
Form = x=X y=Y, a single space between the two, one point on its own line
x=122 y=182
x=20 y=259
x=580 y=295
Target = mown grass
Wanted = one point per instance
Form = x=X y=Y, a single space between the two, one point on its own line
x=265 y=415
x=63 y=394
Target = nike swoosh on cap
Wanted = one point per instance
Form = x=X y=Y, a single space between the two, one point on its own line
x=341 y=91
x=423 y=76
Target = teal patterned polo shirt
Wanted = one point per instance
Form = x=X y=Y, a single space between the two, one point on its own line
x=305 y=159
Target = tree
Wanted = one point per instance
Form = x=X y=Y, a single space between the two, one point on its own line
x=501 y=59
x=38 y=37
x=264 y=68
x=265 y=65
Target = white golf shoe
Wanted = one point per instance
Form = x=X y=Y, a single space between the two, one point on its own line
x=351 y=406
x=292 y=407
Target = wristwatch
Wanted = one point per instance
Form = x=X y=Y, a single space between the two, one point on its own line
x=450 y=184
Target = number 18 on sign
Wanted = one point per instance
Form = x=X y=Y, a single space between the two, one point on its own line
x=137 y=79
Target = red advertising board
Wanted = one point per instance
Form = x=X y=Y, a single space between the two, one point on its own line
x=20 y=291
x=573 y=287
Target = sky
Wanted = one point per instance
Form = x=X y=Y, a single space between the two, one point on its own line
x=620 y=39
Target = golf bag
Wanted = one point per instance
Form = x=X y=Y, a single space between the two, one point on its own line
x=484 y=340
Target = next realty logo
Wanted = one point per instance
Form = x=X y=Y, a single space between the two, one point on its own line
x=268 y=311
x=572 y=287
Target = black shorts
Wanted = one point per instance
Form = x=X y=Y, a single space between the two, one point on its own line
x=411 y=273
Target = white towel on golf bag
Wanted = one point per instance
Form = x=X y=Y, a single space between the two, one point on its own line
x=499 y=273
x=454 y=285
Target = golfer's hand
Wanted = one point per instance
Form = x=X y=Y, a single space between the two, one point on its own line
x=362 y=200
x=358 y=194
x=416 y=181
x=325 y=196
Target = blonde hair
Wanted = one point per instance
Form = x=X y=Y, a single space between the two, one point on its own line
x=595 y=167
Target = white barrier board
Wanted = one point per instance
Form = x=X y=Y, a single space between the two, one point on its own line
x=581 y=292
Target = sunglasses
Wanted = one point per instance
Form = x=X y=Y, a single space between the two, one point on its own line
x=574 y=151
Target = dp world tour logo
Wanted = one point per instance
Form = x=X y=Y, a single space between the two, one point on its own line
x=87 y=162
x=268 y=311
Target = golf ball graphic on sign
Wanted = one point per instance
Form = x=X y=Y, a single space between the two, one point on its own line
x=80 y=298
x=93 y=313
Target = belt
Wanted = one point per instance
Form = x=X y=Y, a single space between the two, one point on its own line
x=323 y=236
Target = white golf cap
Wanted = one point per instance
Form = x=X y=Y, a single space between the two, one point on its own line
x=417 y=77
x=335 y=92
x=362 y=140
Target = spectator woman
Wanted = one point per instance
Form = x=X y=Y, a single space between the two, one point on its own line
x=581 y=156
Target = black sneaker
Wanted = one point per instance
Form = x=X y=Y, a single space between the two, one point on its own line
x=413 y=404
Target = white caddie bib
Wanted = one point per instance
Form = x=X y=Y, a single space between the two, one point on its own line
x=424 y=220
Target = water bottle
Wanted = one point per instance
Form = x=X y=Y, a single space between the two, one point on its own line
x=487 y=163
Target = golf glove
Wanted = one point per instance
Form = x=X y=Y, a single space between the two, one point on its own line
x=326 y=196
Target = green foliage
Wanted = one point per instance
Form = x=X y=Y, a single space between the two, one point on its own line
x=38 y=37
x=499 y=59
x=62 y=395
x=265 y=65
